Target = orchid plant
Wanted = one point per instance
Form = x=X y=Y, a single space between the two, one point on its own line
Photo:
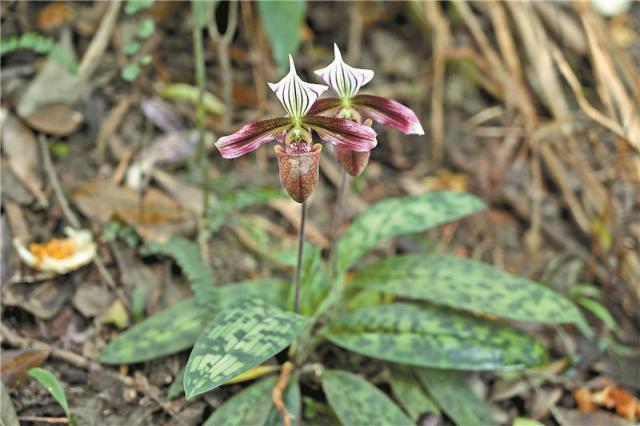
x=425 y=317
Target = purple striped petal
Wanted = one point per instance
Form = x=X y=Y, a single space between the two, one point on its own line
x=251 y=136
x=325 y=105
x=342 y=132
x=296 y=96
x=344 y=79
x=389 y=113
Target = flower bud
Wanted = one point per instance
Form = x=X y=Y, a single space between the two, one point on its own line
x=353 y=162
x=299 y=171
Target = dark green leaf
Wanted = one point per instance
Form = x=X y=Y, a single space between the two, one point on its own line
x=177 y=386
x=239 y=338
x=455 y=397
x=251 y=406
x=187 y=256
x=409 y=392
x=434 y=336
x=599 y=310
x=51 y=383
x=178 y=327
x=167 y=332
x=283 y=22
x=397 y=216
x=313 y=282
x=466 y=284
x=357 y=402
x=8 y=415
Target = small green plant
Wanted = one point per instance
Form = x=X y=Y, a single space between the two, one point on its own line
x=146 y=27
x=41 y=45
x=52 y=384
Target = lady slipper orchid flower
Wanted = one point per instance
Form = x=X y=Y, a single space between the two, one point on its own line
x=346 y=81
x=298 y=157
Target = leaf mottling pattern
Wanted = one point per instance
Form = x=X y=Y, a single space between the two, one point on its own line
x=455 y=397
x=466 y=284
x=239 y=338
x=409 y=392
x=357 y=402
x=178 y=327
x=398 y=216
x=167 y=332
x=251 y=406
x=434 y=336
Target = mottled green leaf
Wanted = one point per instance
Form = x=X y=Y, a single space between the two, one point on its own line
x=51 y=384
x=357 y=402
x=238 y=339
x=397 y=216
x=313 y=282
x=283 y=21
x=455 y=397
x=188 y=257
x=251 y=406
x=8 y=415
x=167 y=332
x=178 y=327
x=434 y=336
x=177 y=386
x=409 y=392
x=466 y=284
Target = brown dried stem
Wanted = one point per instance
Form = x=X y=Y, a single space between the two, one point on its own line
x=278 y=390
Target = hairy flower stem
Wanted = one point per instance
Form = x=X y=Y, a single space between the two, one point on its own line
x=198 y=52
x=338 y=216
x=296 y=300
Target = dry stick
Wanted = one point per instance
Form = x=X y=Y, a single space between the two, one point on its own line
x=70 y=215
x=222 y=46
x=276 y=393
x=303 y=215
x=37 y=419
x=15 y=340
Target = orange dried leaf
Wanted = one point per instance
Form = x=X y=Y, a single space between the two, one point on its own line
x=55 y=15
x=583 y=399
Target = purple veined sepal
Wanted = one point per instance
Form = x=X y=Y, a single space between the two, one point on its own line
x=296 y=96
x=388 y=113
x=251 y=136
x=342 y=132
x=345 y=80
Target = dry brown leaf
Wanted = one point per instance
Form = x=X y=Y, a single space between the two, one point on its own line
x=583 y=399
x=21 y=149
x=444 y=179
x=14 y=364
x=55 y=118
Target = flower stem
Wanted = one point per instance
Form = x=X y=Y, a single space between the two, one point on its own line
x=338 y=216
x=296 y=300
x=198 y=51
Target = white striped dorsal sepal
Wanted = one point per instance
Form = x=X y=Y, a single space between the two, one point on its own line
x=296 y=96
x=344 y=79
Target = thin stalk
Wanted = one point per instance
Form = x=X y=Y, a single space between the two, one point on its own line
x=198 y=52
x=296 y=299
x=338 y=216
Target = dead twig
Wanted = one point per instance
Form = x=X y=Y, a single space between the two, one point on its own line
x=277 y=391
x=37 y=419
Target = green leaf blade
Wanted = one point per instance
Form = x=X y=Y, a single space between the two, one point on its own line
x=469 y=285
x=398 y=216
x=53 y=385
x=239 y=338
x=455 y=397
x=433 y=336
x=167 y=332
x=357 y=402
x=283 y=22
x=408 y=391
x=251 y=406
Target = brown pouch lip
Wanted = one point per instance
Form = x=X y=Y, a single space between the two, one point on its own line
x=353 y=162
x=299 y=172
